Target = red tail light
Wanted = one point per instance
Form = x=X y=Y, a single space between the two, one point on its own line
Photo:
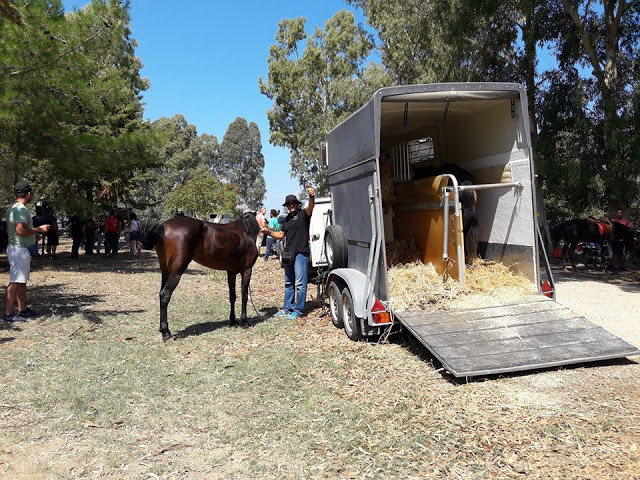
x=380 y=313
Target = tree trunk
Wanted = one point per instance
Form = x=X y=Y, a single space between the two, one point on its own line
x=607 y=82
x=530 y=57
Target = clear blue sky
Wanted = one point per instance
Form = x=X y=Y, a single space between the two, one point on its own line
x=204 y=57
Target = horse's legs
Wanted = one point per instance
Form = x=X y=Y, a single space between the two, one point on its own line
x=168 y=286
x=246 y=278
x=165 y=277
x=231 y=281
x=165 y=297
x=572 y=254
x=611 y=261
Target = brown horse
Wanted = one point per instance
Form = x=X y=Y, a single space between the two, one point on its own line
x=230 y=247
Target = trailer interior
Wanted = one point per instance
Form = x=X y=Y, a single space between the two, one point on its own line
x=481 y=132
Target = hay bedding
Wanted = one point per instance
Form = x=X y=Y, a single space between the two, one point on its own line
x=414 y=285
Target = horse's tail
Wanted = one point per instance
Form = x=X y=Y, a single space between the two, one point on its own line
x=151 y=234
x=470 y=223
x=468 y=203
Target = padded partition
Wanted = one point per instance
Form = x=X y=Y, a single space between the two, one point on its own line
x=425 y=190
x=417 y=214
x=427 y=229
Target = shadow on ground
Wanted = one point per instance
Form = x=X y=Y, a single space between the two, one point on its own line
x=51 y=300
x=628 y=280
x=208 y=327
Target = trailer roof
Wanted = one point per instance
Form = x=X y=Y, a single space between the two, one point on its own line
x=357 y=139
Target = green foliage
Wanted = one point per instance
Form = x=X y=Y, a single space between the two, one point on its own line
x=589 y=123
x=202 y=194
x=70 y=91
x=241 y=157
x=314 y=90
x=181 y=151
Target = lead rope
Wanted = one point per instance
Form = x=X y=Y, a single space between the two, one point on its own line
x=253 y=304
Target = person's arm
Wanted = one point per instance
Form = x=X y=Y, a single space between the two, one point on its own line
x=23 y=231
x=312 y=199
x=277 y=235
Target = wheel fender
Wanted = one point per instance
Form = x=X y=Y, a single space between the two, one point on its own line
x=355 y=281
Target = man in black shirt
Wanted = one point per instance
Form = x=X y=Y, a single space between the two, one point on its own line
x=295 y=231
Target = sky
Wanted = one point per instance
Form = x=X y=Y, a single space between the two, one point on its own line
x=204 y=58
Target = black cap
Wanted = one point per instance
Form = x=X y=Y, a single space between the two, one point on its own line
x=291 y=199
x=22 y=187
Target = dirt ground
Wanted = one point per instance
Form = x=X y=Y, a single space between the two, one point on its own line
x=609 y=300
x=80 y=389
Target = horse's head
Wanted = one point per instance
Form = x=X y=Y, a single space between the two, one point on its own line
x=249 y=223
x=622 y=233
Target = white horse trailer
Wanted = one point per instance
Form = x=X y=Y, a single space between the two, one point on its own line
x=484 y=129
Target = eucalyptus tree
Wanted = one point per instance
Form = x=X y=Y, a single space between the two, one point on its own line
x=608 y=32
x=315 y=82
x=181 y=151
x=242 y=162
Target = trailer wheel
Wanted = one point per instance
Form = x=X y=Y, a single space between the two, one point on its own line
x=335 y=303
x=335 y=247
x=351 y=322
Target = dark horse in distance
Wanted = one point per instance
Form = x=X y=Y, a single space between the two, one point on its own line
x=230 y=247
x=582 y=230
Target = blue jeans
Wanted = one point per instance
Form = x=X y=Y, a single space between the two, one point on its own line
x=270 y=241
x=295 y=283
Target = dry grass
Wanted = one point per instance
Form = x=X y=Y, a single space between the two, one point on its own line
x=90 y=391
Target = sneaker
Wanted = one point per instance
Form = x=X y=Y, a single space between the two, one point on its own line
x=293 y=316
x=283 y=313
x=28 y=313
x=14 y=317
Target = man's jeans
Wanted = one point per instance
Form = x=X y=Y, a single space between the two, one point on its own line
x=295 y=283
x=270 y=241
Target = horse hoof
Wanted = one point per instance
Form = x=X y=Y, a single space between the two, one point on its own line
x=168 y=339
x=245 y=325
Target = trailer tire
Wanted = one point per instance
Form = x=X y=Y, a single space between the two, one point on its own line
x=351 y=321
x=335 y=303
x=335 y=247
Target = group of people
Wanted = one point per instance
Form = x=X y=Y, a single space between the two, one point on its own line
x=23 y=230
x=92 y=234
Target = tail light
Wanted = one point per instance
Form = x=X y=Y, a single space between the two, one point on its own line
x=380 y=313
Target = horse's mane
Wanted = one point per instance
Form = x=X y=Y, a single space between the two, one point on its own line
x=249 y=224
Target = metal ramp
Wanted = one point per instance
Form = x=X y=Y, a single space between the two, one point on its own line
x=509 y=338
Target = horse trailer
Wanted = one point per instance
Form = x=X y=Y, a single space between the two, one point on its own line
x=482 y=128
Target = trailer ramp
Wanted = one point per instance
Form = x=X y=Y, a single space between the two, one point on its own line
x=536 y=333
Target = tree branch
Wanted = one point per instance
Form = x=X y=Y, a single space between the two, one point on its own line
x=59 y=57
x=586 y=42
